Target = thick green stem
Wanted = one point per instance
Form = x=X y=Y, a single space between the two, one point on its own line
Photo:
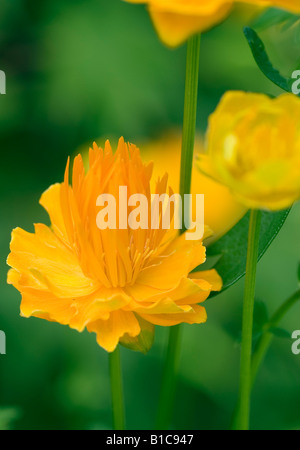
x=169 y=379
x=243 y=417
x=187 y=153
x=116 y=390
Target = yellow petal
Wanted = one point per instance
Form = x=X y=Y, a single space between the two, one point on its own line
x=46 y=306
x=50 y=200
x=174 y=28
x=110 y=331
x=98 y=306
x=196 y=315
x=164 y=306
x=142 y=293
x=43 y=256
x=210 y=276
x=165 y=272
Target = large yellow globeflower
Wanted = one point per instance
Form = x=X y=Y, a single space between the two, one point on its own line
x=114 y=282
x=177 y=20
x=253 y=145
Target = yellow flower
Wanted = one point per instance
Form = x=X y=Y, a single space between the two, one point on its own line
x=118 y=283
x=177 y=20
x=254 y=148
x=222 y=210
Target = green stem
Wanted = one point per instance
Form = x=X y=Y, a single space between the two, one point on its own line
x=189 y=116
x=265 y=341
x=243 y=417
x=187 y=153
x=267 y=337
x=169 y=379
x=116 y=390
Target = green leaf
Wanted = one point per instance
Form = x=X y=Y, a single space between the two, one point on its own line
x=233 y=246
x=262 y=60
x=273 y=16
x=260 y=319
x=299 y=272
x=291 y=21
x=144 y=341
x=261 y=315
x=280 y=332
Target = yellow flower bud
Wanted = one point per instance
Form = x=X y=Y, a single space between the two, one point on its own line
x=253 y=146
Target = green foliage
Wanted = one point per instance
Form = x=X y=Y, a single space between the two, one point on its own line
x=274 y=16
x=260 y=319
x=262 y=60
x=280 y=333
x=232 y=247
x=284 y=22
x=77 y=70
x=7 y=418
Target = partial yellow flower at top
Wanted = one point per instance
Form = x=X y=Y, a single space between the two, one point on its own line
x=253 y=147
x=118 y=283
x=177 y=20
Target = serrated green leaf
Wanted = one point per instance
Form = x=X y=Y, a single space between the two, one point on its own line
x=280 y=332
x=233 y=246
x=144 y=341
x=262 y=60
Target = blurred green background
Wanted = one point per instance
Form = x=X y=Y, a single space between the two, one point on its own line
x=77 y=70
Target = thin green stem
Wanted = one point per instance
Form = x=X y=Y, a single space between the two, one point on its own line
x=189 y=116
x=243 y=416
x=187 y=153
x=116 y=390
x=265 y=341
